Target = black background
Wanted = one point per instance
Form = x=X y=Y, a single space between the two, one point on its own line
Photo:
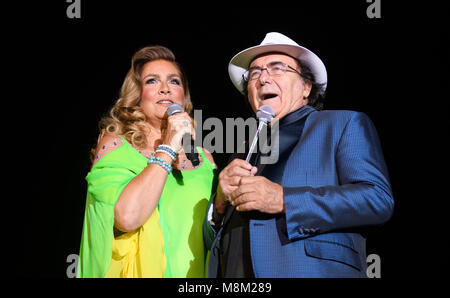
x=66 y=73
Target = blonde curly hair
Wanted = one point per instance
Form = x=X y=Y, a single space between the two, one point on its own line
x=126 y=117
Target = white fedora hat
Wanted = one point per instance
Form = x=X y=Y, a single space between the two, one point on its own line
x=276 y=42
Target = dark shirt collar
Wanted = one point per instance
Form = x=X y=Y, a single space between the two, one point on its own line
x=296 y=115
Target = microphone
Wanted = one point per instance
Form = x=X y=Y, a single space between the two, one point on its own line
x=174 y=109
x=265 y=115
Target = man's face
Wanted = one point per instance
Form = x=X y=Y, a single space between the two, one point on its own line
x=285 y=93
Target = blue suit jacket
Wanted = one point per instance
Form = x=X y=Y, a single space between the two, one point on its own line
x=334 y=182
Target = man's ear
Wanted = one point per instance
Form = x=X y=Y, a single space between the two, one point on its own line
x=306 y=88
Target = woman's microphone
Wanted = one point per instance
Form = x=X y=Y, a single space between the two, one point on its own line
x=192 y=155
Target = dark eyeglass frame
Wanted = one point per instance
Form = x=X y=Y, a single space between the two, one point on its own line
x=269 y=68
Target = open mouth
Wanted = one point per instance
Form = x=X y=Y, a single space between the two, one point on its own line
x=269 y=96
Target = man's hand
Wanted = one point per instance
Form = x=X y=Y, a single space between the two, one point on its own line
x=229 y=179
x=258 y=193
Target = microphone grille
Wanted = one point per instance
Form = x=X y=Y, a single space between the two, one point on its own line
x=265 y=113
x=174 y=109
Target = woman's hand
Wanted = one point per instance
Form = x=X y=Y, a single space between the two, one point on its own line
x=177 y=126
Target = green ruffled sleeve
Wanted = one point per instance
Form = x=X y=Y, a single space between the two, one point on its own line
x=106 y=180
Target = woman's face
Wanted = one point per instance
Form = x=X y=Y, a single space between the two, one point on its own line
x=161 y=86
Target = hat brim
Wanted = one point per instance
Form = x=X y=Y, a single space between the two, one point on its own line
x=241 y=61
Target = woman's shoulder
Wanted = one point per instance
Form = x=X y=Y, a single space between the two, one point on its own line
x=106 y=144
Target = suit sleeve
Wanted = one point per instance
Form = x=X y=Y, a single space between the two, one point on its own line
x=362 y=195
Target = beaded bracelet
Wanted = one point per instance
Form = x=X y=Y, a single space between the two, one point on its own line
x=159 y=161
x=168 y=150
x=167 y=153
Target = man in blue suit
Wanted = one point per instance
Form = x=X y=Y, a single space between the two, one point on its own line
x=303 y=216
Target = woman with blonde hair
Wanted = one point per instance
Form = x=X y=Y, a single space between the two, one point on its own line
x=146 y=201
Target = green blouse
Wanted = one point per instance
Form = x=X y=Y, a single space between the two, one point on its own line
x=182 y=209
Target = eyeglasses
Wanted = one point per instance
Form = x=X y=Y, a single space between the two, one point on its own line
x=273 y=69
